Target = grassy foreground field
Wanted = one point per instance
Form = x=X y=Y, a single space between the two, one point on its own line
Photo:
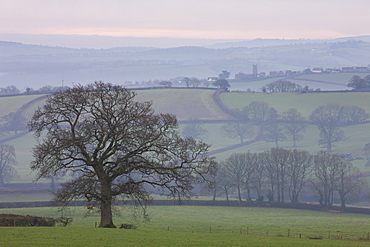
x=199 y=226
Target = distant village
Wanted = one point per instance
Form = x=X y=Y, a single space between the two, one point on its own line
x=317 y=70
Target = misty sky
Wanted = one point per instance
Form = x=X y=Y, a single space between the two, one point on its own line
x=214 y=19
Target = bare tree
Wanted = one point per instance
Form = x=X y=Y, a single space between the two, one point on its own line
x=13 y=121
x=195 y=130
x=219 y=183
x=213 y=185
x=187 y=81
x=299 y=170
x=294 y=124
x=259 y=177
x=283 y=86
x=221 y=84
x=224 y=183
x=350 y=114
x=276 y=165
x=260 y=112
x=251 y=163
x=117 y=145
x=349 y=181
x=239 y=168
x=327 y=119
x=274 y=132
x=9 y=90
x=358 y=83
x=239 y=130
x=165 y=83
x=326 y=172
x=7 y=161
x=195 y=82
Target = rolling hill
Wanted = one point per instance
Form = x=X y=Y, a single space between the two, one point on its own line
x=36 y=66
x=200 y=104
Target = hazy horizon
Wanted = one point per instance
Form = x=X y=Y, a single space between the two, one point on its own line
x=190 y=19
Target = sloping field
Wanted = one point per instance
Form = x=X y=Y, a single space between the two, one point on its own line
x=305 y=103
x=339 y=78
x=184 y=103
x=13 y=103
x=199 y=104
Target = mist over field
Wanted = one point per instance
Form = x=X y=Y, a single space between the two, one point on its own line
x=143 y=62
x=184 y=123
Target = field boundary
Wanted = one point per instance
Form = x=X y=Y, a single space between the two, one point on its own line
x=220 y=203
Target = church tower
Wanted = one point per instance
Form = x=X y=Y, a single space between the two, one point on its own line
x=255 y=70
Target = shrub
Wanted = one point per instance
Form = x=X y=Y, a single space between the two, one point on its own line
x=64 y=221
x=127 y=226
x=25 y=220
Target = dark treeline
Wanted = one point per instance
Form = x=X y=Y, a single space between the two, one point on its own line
x=280 y=175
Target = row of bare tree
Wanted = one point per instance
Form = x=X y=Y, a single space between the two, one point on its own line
x=281 y=174
x=328 y=118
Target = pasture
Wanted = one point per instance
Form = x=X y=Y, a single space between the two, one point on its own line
x=204 y=226
x=305 y=103
x=199 y=104
x=198 y=226
x=184 y=103
x=14 y=103
x=323 y=81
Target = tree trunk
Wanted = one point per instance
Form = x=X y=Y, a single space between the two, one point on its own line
x=249 y=198
x=227 y=196
x=214 y=195
x=328 y=149
x=1 y=180
x=343 y=202
x=294 y=141
x=239 y=193
x=106 y=216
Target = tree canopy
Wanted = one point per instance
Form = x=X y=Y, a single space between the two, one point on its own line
x=115 y=146
x=221 y=84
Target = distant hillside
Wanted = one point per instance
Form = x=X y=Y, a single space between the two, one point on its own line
x=36 y=66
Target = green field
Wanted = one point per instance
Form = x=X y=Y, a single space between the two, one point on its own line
x=198 y=226
x=204 y=226
x=199 y=104
x=305 y=103
x=185 y=103
x=323 y=81
x=13 y=103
